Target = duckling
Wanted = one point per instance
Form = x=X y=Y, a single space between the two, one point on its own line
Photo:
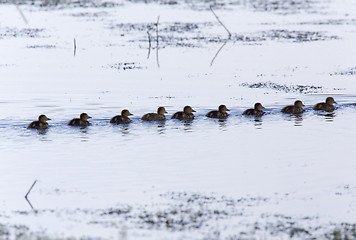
x=221 y=113
x=82 y=121
x=123 y=118
x=327 y=106
x=186 y=114
x=297 y=108
x=41 y=123
x=159 y=116
x=257 y=110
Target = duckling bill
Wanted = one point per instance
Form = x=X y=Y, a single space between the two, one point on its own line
x=187 y=114
x=221 y=113
x=82 y=121
x=123 y=118
x=256 y=111
x=159 y=116
x=327 y=106
x=40 y=124
x=297 y=108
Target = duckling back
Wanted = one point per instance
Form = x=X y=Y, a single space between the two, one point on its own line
x=217 y=114
x=254 y=112
x=324 y=106
x=78 y=122
x=292 y=110
x=153 y=117
x=120 y=119
x=38 y=125
x=183 y=116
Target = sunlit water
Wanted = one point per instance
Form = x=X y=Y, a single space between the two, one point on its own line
x=304 y=165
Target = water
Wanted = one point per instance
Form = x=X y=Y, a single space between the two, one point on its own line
x=206 y=179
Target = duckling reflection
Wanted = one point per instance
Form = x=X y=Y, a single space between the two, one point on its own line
x=221 y=113
x=159 y=116
x=187 y=114
x=258 y=122
x=82 y=121
x=327 y=106
x=297 y=108
x=329 y=117
x=256 y=111
x=123 y=118
x=40 y=124
x=296 y=118
x=161 y=127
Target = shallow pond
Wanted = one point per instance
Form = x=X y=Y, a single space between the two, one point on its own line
x=274 y=177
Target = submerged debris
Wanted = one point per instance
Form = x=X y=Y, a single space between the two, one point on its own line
x=124 y=66
x=23 y=32
x=304 y=89
x=350 y=72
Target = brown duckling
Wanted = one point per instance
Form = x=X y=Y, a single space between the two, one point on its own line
x=221 y=113
x=186 y=114
x=123 y=118
x=82 y=121
x=297 y=108
x=159 y=116
x=41 y=123
x=257 y=110
x=327 y=106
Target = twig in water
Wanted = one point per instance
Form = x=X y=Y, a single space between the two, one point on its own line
x=21 y=13
x=217 y=18
x=29 y=203
x=149 y=44
x=75 y=47
x=28 y=192
x=157 y=41
x=217 y=53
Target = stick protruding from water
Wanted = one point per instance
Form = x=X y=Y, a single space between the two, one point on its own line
x=28 y=192
x=157 y=42
x=217 y=18
x=75 y=46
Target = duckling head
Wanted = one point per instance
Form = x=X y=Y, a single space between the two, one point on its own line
x=188 y=109
x=298 y=103
x=84 y=116
x=125 y=113
x=43 y=118
x=161 y=111
x=258 y=106
x=223 y=109
x=330 y=100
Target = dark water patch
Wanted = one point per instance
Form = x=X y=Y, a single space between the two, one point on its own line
x=349 y=72
x=65 y=3
x=47 y=46
x=295 y=36
x=23 y=32
x=282 y=6
x=89 y=14
x=185 y=212
x=190 y=35
x=274 y=6
x=303 y=89
x=331 y=22
x=124 y=66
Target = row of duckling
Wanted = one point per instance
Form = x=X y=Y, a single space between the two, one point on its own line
x=186 y=114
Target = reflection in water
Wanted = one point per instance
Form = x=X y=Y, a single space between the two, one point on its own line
x=188 y=125
x=329 y=117
x=222 y=124
x=297 y=118
x=124 y=129
x=161 y=127
x=84 y=137
x=258 y=122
